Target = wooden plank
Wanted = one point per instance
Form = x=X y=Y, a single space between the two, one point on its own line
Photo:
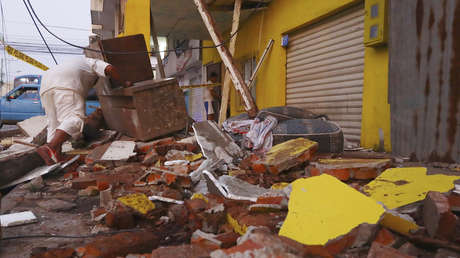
x=237 y=78
x=227 y=79
x=259 y=64
x=157 y=47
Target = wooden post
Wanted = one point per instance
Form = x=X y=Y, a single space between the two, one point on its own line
x=237 y=78
x=157 y=47
x=227 y=78
x=259 y=64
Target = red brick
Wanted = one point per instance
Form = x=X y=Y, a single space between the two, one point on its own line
x=178 y=213
x=147 y=146
x=381 y=251
x=102 y=185
x=270 y=200
x=154 y=178
x=122 y=244
x=151 y=157
x=83 y=183
x=120 y=219
x=196 y=205
x=228 y=239
x=454 y=202
x=181 y=170
x=258 y=168
x=438 y=219
x=385 y=237
x=365 y=173
x=185 y=251
x=169 y=178
x=52 y=253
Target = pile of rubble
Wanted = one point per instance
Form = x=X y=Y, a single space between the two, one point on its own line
x=205 y=196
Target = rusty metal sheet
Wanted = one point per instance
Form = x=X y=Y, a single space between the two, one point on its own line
x=134 y=64
x=424 y=79
x=144 y=111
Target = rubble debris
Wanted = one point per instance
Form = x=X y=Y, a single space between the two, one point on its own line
x=40 y=171
x=15 y=219
x=345 y=169
x=215 y=144
x=121 y=244
x=119 y=150
x=56 y=205
x=185 y=251
x=289 y=154
x=260 y=242
x=165 y=199
x=401 y=223
x=397 y=187
x=382 y=251
x=236 y=189
x=322 y=208
x=139 y=202
x=35 y=128
x=439 y=221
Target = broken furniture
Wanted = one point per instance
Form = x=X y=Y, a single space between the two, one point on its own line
x=148 y=109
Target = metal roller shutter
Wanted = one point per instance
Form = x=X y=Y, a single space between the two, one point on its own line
x=325 y=66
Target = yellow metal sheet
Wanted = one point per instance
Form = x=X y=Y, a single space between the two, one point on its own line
x=139 y=202
x=323 y=208
x=285 y=150
x=397 y=187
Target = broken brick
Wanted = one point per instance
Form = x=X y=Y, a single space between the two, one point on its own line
x=289 y=154
x=438 y=218
x=144 y=147
x=385 y=237
x=51 y=253
x=120 y=219
x=83 y=183
x=381 y=251
x=185 y=251
x=151 y=157
x=454 y=202
x=344 y=169
x=122 y=244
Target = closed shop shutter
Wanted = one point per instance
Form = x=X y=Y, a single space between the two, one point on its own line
x=325 y=67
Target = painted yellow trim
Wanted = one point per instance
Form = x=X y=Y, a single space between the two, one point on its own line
x=137 y=19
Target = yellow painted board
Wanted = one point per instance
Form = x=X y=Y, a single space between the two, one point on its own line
x=139 y=202
x=398 y=223
x=397 y=187
x=18 y=54
x=291 y=148
x=323 y=208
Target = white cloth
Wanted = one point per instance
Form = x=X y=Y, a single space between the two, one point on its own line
x=79 y=75
x=207 y=93
x=65 y=110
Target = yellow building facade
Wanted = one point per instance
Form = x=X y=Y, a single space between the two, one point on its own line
x=280 y=18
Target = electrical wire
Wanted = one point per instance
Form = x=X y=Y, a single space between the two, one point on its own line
x=38 y=29
x=66 y=236
x=133 y=52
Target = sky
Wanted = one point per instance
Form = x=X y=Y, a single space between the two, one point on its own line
x=69 y=19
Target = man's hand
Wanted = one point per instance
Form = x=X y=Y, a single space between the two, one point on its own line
x=111 y=71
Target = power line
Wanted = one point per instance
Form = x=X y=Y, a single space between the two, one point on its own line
x=133 y=52
x=52 y=26
x=38 y=29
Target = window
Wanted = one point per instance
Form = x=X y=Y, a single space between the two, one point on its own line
x=25 y=93
x=248 y=67
x=32 y=79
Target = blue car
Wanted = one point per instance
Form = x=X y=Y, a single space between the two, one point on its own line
x=24 y=102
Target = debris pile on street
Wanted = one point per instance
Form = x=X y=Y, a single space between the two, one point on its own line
x=204 y=195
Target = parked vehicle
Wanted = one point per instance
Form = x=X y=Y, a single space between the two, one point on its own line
x=27 y=79
x=24 y=102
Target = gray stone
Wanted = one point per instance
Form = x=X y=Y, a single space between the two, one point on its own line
x=56 y=205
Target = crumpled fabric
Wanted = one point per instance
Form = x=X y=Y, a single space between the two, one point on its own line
x=257 y=132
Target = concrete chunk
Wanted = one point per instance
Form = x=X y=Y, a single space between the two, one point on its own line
x=439 y=220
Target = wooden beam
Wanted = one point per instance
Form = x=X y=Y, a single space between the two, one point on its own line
x=237 y=78
x=157 y=47
x=259 y=64
x=227 y=78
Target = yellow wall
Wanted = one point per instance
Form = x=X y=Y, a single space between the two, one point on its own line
x=283 y=16
x=376 y=110
x=137 y=19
